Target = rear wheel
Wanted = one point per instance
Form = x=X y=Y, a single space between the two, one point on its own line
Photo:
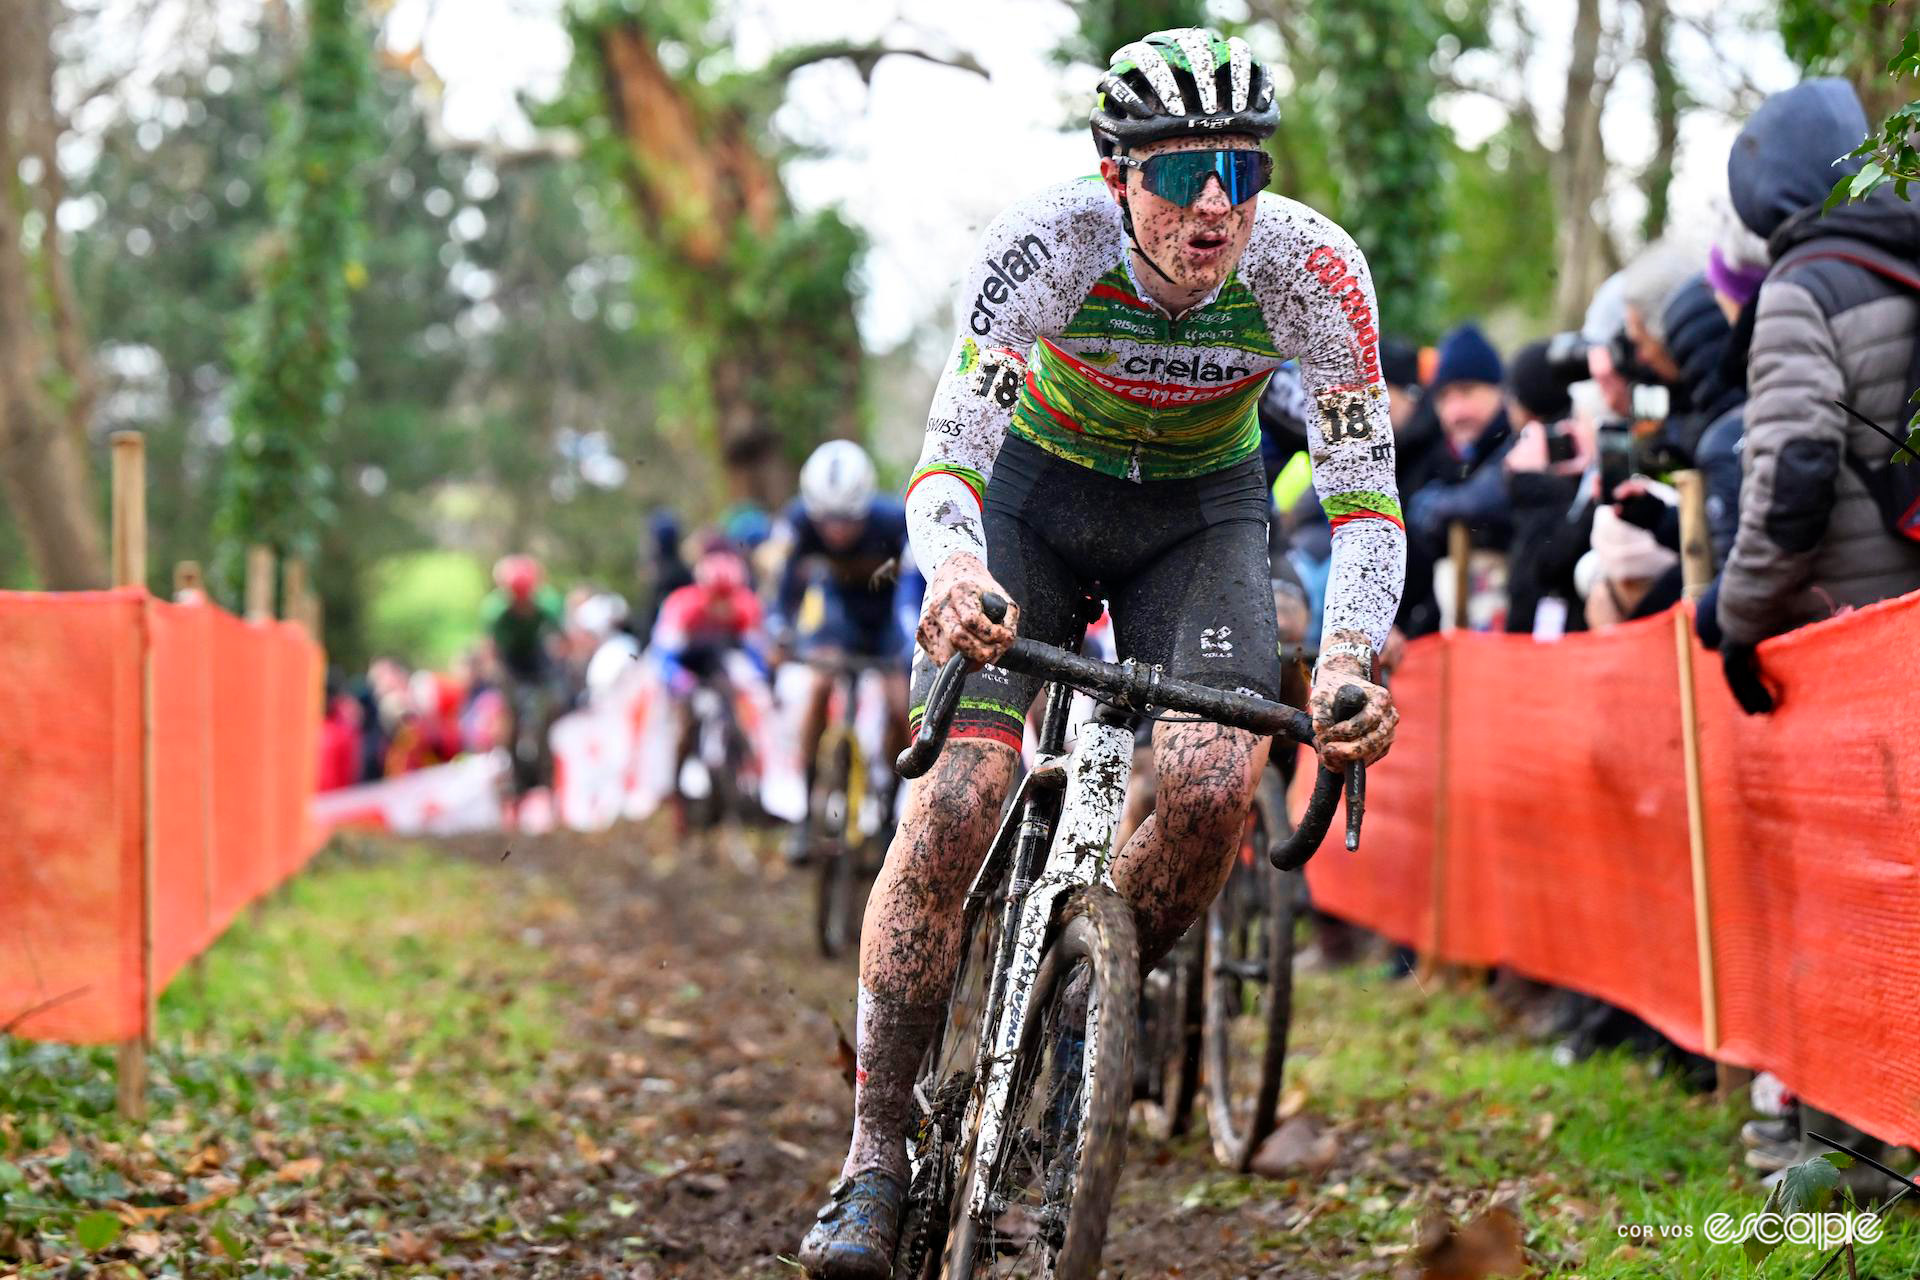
x=1249 y=986
x=836 y=846
x=1172 y=1003
x=1051 y=1187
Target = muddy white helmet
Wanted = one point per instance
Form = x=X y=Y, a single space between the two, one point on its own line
x=837 y=482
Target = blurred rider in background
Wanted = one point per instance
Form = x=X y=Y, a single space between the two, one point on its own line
x=699 y=625
x=839 y=547
x=525 y=623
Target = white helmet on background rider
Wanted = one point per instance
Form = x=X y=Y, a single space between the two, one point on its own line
x=837 y=482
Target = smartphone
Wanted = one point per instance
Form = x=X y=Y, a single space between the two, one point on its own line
x=1614 y=441
x=1561 y=447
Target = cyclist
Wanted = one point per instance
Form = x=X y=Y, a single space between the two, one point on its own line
x=701 y=623
x=524 y=621
x=836 y=598
x=1095 y=428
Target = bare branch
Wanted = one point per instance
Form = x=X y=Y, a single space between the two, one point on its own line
x=864 y=58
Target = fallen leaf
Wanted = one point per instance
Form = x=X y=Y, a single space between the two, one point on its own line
x=1543 y=1126
x=298 y=1170
x=144 y=1243
x=408 y=1247
x=1296 y=1146
x=1490 y=1245
x=844 y=1056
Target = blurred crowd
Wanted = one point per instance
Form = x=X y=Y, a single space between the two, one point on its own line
x=1775 y=359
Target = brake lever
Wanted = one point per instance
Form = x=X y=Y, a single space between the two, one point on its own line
x=1293 y=853
x=943 y=700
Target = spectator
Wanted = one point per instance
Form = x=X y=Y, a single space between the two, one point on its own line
x=667 y=569
x=1830 y=323
x=1736 y=265
x=1456 y=482
x=1551 y=499
x=1622 y=571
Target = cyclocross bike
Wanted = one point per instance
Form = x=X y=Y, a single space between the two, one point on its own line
x=848 y=839
x=1025 y=1091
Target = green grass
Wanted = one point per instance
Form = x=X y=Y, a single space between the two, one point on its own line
x=379 y=1015
x=1598 y=1145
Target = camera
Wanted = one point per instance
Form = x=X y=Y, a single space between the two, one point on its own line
x=1567 y=358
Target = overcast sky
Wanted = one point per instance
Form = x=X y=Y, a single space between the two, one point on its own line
x=924 y=156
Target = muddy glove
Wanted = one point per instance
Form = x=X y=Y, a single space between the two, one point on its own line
x=1366 y=737
x=951 y=620
x=1742 y=666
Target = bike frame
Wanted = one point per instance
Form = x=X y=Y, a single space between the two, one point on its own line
x=1081 y=853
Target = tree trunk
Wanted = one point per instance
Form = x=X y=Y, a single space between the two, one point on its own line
x=699 y=180
x=44 y=472
x=1887 y=25
x=1658 y=176
x=1580 y=173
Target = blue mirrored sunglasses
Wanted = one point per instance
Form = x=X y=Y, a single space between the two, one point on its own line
x=1180 y=176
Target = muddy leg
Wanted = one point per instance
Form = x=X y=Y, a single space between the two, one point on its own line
x=1178 y=859
x=910 y=944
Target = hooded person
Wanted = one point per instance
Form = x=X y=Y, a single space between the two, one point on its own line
x=1837 y=319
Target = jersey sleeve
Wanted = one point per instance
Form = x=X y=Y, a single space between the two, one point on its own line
x=1313 y=273
x=975 y=398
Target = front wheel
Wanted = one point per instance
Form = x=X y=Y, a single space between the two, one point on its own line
x=1051 y=1187
x=1249 y=989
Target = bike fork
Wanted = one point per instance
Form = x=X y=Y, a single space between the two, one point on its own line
x=1081 y=854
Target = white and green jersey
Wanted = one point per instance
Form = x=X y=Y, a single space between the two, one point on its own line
x=1061 y=346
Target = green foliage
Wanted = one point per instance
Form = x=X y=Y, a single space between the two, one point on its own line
x=293 y=361
x=1105 y=25
x=1503 y=254
x=1388 y=152
x=425 y=607
x=1889 y=152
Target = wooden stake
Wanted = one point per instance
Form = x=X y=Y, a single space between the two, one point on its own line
x=1460 y=551
x=259 y=584
x=1697 y=833
x=1442 y=817
x=129 y=509
x=293 y=588
x=1696 y=546
x=130 y=570
x=188 y=577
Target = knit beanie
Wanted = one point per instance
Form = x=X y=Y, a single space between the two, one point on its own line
x=1467 y=356
x=1531 y=381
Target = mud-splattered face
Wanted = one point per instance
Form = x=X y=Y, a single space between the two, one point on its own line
x=1197 y=245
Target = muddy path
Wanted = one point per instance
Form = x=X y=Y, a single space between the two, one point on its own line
x=705 y=1103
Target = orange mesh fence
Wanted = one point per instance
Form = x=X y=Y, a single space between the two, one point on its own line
x=70 y=865
x=1388 y=881
x=1558 y=811
x=136 y=737
x=1813 y=841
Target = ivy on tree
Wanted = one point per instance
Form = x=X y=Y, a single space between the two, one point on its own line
x=292 y=360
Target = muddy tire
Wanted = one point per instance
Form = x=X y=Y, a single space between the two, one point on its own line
x=1067 y=1108
x=1249 y=986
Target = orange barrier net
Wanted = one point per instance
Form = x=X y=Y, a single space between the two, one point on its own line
x=1545 y=785
x=159 y=775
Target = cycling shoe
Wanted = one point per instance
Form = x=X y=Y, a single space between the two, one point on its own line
x=854 y=1236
